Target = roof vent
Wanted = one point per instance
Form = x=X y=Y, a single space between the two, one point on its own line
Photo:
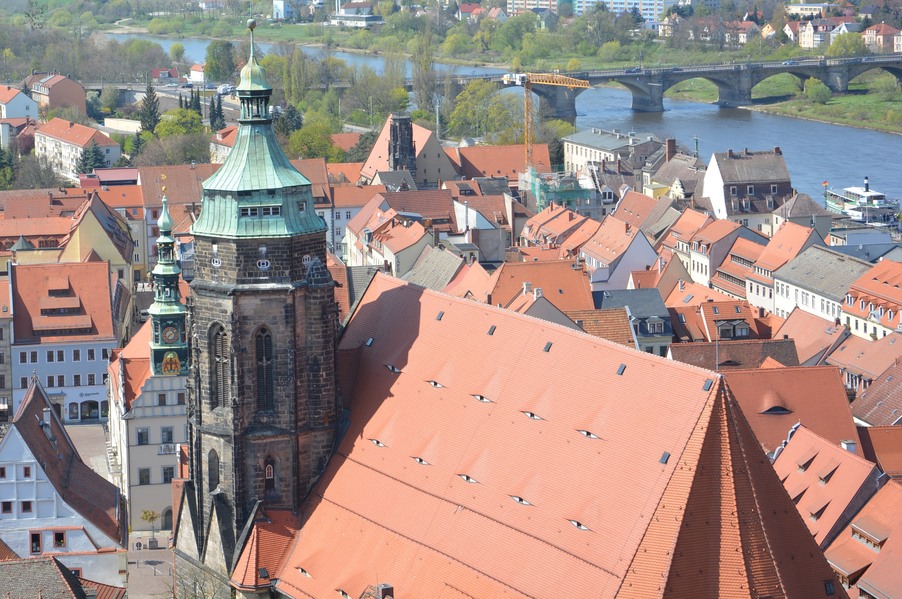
x=665 y=457
x=468 y=478
x=377 y=442
x=578 y=524
x=436 y=384
x=482 y=398
x=393 y=368
x=587 y=434
x=420 y=461
x=520 y=500
x=532 y=415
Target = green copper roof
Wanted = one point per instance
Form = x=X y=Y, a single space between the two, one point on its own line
x=256 y=192
x=253 y=76
x=165 y=221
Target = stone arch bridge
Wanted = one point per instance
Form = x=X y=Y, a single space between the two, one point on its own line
x=734 y=81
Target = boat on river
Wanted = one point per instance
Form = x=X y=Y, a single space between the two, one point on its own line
x=861 y=203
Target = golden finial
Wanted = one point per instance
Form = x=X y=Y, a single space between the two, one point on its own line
x=163 y=179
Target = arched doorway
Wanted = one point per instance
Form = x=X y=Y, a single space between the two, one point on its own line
x=166 y=519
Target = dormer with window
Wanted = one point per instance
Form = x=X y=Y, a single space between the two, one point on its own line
x=734 y=190
x=750 y=190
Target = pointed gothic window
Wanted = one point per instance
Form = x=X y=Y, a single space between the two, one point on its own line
x=219 y=367
x=265 y=394
x=212 y=470
x=269 y=478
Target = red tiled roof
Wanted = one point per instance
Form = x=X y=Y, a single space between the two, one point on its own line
x=612 y=324
x=879 y=286
x=344 y=173
x=102 y=591
x=88 y=285
x=134 y=359
x=735 y=355
x=813 y=470
x=814 y=336
x=715 y=231
x=688 y=293
x=776 y=399
x=6 y=553
x=789 y=240
x=879 y=520
x=339 y=273
x=266 y=545
x=635 y=208
x=500 y=161
x=352 y=196
x=75 y=134
x=8 y=93
x=378 y=159
x=881 y=403
x=612 y=239
x=553 y=224
x=226 y=136
x=86 y=492
x=489 y=510
x=183 y=183
x=684 y=228
x=345 y=141
x=867 y=358
x=471 y=281
x=565 y=287
x=883 y=445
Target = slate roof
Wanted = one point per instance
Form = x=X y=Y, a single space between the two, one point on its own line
x=642 y=303
x=612 y=324
x=751 y=166
x=801 y=205
x=823 y=271
x=732 y=355
x=881 y=403
x=823 y=480
x=883 y=445
x=688 y=169
x=814 y=337
x=89 y=494
x=39 y=577
x=498 y=502
x=434 y=269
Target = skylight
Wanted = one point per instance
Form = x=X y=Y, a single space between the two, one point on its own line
x=587 y=434
x=377 y=442
x=621 y=369
x=369 y=342
x=520 y=500
x=708 y=384
x=439 y=315
x=578 y=524
x=777 y=411
x=492 y=330
x=547 y=347
x=665 y=457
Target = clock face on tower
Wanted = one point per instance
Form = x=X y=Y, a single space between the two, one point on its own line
x=170 y=334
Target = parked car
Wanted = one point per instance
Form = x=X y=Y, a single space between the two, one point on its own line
x=633 y=70
x=789 y=63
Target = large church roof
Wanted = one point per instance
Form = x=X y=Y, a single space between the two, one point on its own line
x=483 y=461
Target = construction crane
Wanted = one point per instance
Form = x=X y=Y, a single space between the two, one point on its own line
x=527 y=80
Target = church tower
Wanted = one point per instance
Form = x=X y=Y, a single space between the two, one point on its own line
x=262 y=403
x=169 y=343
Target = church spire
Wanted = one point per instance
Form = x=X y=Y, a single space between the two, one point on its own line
x=169 y=347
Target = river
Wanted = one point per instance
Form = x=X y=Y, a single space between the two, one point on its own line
x=815 y=152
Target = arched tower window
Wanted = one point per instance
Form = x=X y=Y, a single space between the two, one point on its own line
x=263 y=345
x=219 y=367
x=212 y=470
x=269 y=476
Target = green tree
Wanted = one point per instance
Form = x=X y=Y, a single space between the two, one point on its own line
x=149 y=115
x=175 y=149
x=217 y=119
x=7 y=169
x=179 y=121
x=289 y=121
x=817 y=92
x=847 y=44
x=177 y=52
x=314 y=140
x=150 y=517
x=220 y=61
x=35 y=172
x=195 y=102
x=109 y=98
x=91 y=158
x=361 y=150
x=479 y=110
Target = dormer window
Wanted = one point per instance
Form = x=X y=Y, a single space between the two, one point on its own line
x=750 y=189
x=733 y=190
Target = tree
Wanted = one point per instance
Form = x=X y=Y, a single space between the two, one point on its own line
x=289 y=121
x=220 y=61
x=91 y=158
x=217 y=119
x=314 y=140
x=361 y=150
x=816 y=91
x=175 y=149
x=149 y=114
x=35 y=172
x=479 y=110
x=177 y=52
x=150 y=517
x=195 y=102
x=179 y=121
x=7 y=169
x=109 y=98
x=847 y=44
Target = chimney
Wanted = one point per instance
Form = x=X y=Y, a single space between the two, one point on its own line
x=570 y=216
x=682 y=285
x=778 y=151
x=385 y=591
x=527 y=287
x=627 y=227
x=660 y=264
x=730 y=154
x=669 y=149
x=867 y=185
x=785 y=336
x=536 y=293
x=849 y=446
